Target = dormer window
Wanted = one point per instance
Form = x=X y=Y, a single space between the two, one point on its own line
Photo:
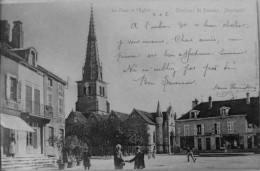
x=224 y=111
x=194 y=114
x=33 y=58
x=75 y=119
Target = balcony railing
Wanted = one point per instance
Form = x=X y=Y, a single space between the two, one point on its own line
x=38 y=109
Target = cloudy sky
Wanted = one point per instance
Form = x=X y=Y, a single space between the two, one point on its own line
x=183 y=49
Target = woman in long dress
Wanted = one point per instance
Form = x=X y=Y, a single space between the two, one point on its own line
x=118 y=158
x=12 y=145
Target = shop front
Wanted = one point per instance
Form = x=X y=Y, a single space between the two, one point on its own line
x=13 y=128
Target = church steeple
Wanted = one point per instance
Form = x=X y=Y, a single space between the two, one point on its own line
x=92 y=70
x=92 y=90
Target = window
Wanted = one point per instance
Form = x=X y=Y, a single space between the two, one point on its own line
x=217 y=128
x=33 y=58
x=230 y=125
x=61 y=133
x=60 y=106
x=50 y=83
x=13 y=89
x=103 y=91
x=28 y=99
x=84 y=90
x=198 y=129
x=100 y=91
x=186 y=130
x=36 y=101
x=193 y=114
x=51 y=135
x=61 y=88
x=224 y=111
x=249 y=127
x=29 y=139
x=49 y=99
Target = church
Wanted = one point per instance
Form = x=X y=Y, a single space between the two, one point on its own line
x=92 y=104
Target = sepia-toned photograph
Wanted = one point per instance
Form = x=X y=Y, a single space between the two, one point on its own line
x=133 y=84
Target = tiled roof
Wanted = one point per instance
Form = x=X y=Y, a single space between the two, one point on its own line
x=237 y=107
x=148 y=117
x=121 y=116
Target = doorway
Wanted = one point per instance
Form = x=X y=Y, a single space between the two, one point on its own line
x=217 y=143
x=249 y=142
x=208 y=145
x=199 y=144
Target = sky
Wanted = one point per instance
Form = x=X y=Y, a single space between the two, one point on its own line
x=226 y=31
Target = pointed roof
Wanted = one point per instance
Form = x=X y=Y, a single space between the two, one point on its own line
x=92 y=68
x=147 y=117
x=158 y=111
x=91 y=31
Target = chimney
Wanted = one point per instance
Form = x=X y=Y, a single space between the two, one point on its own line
x=247 y=98
x=4 y=30
x=17 y=35
x=194 y=103
x=210 y=102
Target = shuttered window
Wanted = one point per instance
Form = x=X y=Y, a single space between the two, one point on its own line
x=13 y=88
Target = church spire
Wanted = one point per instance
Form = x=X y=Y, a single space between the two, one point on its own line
x=158 y=112
x=92 y=70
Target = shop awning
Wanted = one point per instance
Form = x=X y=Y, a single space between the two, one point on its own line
x=14 y=122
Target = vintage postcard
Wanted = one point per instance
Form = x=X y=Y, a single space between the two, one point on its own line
x=142 y=84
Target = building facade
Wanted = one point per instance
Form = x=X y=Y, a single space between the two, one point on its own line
x=24 y=97
x=215 y=125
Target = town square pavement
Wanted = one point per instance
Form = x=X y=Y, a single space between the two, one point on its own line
x=179 y=162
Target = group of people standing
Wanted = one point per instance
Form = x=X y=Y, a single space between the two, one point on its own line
x=119 y=162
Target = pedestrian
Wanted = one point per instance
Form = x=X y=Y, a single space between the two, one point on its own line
x=154 y=151
x=12 y=145
x=118 y=158
x=138 y=159
x=86 y=159
x=190 y=154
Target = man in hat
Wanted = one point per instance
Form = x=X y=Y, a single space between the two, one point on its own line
x=139 y=159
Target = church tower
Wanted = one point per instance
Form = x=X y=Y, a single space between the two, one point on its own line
x=92 y=90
